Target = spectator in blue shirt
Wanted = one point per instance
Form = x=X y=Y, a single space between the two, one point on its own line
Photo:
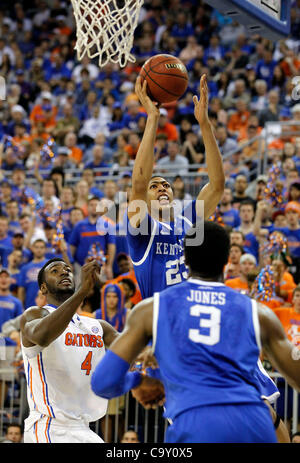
x=97 y=162
x=5 y=238
x=29 y=287
x=265 y=67
x=94 y=229
x=182 y=29
x=230 y=215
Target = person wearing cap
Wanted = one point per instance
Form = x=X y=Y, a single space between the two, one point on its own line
x=44 y=112
x=167 y=127
x=10 y=307
x=17 y=116
x=247 y=264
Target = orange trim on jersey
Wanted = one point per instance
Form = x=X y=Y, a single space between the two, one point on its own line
x=46 y=429
x=90 y=233
x=43 y=384
x=30 y=385
x=36 y=436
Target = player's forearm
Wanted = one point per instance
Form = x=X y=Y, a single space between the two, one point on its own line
x=43 y=331
x=111 y=377
x=144 y=161
x=213 y=156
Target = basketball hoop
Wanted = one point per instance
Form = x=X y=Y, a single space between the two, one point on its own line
x=105 y=28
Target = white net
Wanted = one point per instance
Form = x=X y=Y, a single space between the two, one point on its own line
x=105 y=29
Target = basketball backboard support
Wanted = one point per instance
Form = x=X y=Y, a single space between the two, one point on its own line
x=268 y=18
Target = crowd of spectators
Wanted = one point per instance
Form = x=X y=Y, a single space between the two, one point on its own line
x=70 y=131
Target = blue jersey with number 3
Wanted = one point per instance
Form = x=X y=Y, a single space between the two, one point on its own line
x=156 y=250
x=207 y=343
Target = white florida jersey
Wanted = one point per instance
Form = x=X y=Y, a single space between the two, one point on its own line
x=59 y=375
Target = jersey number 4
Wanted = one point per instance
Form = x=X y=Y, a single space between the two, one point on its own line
x=211 y=323
x=87 y=363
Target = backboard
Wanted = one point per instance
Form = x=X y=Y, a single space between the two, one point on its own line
x=268 y=18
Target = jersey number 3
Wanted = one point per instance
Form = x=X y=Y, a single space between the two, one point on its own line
x=212 y=324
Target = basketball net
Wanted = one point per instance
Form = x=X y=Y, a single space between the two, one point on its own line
x=104 y=29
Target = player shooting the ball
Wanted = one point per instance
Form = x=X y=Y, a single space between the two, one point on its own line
x=155 y=232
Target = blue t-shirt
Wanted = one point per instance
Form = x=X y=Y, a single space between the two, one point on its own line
x=51 y=252
x=156 y=251
x=10 y=307
x=231 y=218
x=85 y=234
x=28 y=281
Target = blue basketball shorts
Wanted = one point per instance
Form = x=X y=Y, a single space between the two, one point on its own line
x=240 y=423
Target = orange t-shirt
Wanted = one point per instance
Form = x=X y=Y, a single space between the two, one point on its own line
x=76 y=154
x=170 y=130
x=288 y=284
x=290 y=320
x=132 y=152
x=37 y=115
x=237 y=121
x=237 y=283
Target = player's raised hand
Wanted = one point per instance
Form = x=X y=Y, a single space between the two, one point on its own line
x=201 y=104
x=141 y=91
x=150 y=393
x=90 y=275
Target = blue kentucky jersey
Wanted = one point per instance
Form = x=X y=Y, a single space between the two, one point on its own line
x=207 y=343
x=156 y=250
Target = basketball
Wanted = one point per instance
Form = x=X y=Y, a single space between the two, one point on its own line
x=166 y=76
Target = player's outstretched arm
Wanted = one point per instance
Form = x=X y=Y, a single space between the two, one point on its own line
x=144 y=161
x=212 y=192
x=283 y=355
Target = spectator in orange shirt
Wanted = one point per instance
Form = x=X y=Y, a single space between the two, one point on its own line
x=20 y=134
x=132 y=147
x=240 y=283
x=44 y=112
x=290 y=318
x=164 y=126
x=127 y=272
x=239 y=119
x=284 y=281
x=75 y=151
x=232 y=269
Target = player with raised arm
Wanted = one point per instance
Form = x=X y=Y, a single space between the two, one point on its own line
x=156 y=227
x=60 y=351
x=209 y=375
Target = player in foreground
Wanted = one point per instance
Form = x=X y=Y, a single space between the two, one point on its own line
x=156 y=226
x=207 y=339
x=60 y=351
